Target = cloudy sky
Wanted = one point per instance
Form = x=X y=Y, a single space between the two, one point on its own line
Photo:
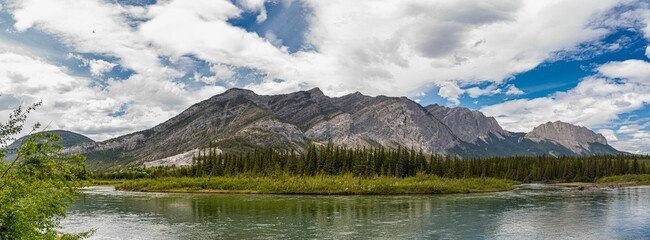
x=105 y=68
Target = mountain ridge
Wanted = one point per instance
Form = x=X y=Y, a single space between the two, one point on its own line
x=241 y=120
x=68 y=139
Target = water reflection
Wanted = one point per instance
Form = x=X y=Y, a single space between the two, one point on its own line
x=530 y=213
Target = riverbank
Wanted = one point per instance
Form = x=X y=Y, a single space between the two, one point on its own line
x=628 y=180
x=322 y=185
x=347 y=184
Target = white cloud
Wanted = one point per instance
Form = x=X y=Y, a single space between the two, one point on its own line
x=609 y=134
x=475 y=92
x=65 y=99
x=634 y=70
x=71 y=103
x=388 y=47
x=273 y=39
x=594 y=102
x=493 y=89
x=451 y=92
x=463 y=41
x=255 y=5
x=629 y=129
x=634 y=143
x=90 y=27
x=223 y=72
x=205 y=79
x=98 y=27
x=392 y=48
x=597 y=101
x=513 y=90
x=98 y=67
x=210 y=38
x=631 y=138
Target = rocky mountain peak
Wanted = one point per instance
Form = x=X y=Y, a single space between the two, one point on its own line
x=467 y=124
x=574 y=137
x=316 y=92
x=235 y=91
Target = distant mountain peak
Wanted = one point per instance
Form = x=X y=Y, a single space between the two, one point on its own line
x=238 y=90
x=576 y=138
x=316 y=91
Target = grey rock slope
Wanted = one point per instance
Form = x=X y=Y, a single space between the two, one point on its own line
x=237 y=118
x=394 y=122
x=468 y=125
x=577 y=139
x=240 y=120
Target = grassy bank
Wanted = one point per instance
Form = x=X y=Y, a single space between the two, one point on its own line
x=345 y=184
x=626 y=180
x=617 y=181
x=101 y=182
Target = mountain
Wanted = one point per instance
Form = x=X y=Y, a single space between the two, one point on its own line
x=551 y=138
x=579 y=140
x=240 y=120
x=68 y=139
x=468 y=125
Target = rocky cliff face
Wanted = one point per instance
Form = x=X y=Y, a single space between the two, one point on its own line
x=393 y=122
x=577 y=139
x=468 y=125
x=240 y=120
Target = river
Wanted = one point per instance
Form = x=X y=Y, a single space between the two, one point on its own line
x=529 y=212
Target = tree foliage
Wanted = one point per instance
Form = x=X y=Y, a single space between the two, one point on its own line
x=37 y=185
x=399 y=162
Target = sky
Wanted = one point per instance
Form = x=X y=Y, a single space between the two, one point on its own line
x=104 y=68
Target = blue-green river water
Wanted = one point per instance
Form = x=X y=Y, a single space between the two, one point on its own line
x=529 y=212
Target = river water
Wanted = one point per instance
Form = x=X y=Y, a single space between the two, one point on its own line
x=529 y=212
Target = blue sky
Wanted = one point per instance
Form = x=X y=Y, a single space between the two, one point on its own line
x=105 y=68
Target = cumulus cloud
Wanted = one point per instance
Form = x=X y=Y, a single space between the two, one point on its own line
x=510 y=89
x=632 y=70
x=632 y=138
x=513 y=90
x=223 y=72
x=609 y=134
x=387 y=47
x=399 y=47
x=205 y=79
x=97 y=67
x=451 y=92
x=475 y=92
x=72 y=103
x=90 y=27
x=65 y=99
x=255 y=5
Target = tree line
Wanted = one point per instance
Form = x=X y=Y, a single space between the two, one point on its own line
x=399 y=162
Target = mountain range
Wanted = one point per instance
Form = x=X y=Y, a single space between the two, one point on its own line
x=240 y=120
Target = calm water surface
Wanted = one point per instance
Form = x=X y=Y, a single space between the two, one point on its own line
x=530 y=212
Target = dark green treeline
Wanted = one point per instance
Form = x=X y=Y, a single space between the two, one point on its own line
x=400 y=162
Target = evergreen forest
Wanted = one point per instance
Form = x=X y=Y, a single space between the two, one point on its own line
x=399 y=162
